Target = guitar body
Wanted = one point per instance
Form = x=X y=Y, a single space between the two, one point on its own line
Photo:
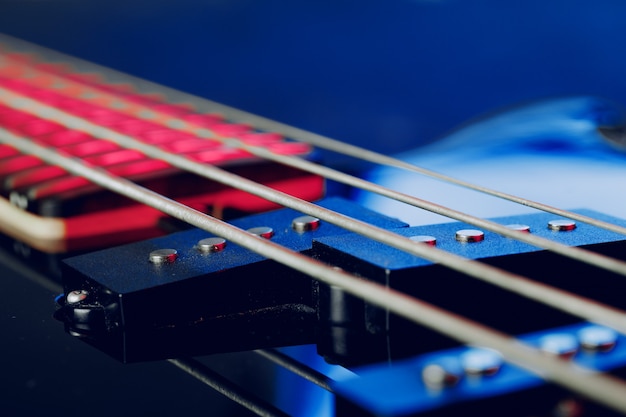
x=552 y=152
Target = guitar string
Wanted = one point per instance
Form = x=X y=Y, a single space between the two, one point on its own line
x=380 y=159
x=579 y=254
x=576 y=253
x=600 y=387
x=310 y=138
x=557 y=298
x=227 y=388
x=296 y=367
x=314 y=139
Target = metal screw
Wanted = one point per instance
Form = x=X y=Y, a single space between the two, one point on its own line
x=76 y=296
x=597 y=338
x=446 y=372
x=429 y=240
x=212 y=244
x=161 y=256
x=305 y=224
x=481 y=361
x=562 y=225
x=563 y=345
x=262 y=231
x=469 y=236
x=519 y=227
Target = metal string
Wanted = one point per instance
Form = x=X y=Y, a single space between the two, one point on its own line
x=600 y=387
x=579 y=254
x=296 y=367
x=226 y=387
x=312 y=138
x=556 y=298
x=442 y=324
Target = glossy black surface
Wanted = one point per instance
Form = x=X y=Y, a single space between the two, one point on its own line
x=48 y=372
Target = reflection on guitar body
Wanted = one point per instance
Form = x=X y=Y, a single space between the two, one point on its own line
x=362 y=286
x=551 y=152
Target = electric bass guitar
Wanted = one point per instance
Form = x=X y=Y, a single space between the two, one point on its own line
x=90 y=162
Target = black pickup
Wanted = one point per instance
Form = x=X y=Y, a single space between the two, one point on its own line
x=228 y=298
x=204 y=301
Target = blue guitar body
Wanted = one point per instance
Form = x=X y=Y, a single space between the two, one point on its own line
x=551 y=151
